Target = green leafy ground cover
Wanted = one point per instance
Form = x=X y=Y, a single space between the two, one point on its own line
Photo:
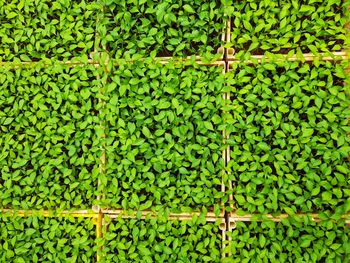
x=166 y=28
x=163 y=136
x=161 y=240
x=48 y=146
x=292 y=240
x=33 y=30
x=287 y=26
x=38 y=239
x=289 y=137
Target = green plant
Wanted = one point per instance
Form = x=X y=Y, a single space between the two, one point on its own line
x=289 y=137
x=165 y=28
x=288 y=26
x=39 y=239
x=32 y=30
x=163 y=136
x=48 y=147
x=292 y=240
x=162 y=240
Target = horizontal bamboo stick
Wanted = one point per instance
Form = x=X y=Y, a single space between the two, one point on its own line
x=306 y=57
x=248 y=218
x=48 y=213
x=179 y=216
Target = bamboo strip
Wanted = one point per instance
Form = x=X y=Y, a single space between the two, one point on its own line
x=99 y=235
x=247 y=218
x=132 y=214
x=228 y=156
x=229 y=52
x=161 y=60
x=48 y=213
x=89 y=61
x=223 y=187
x=198 y=60
x=221 y=49
x=225 y=137
x=102 y=165
x=96 y=208
x=306 y=56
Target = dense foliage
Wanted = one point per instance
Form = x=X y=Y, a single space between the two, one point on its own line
x=289 y=137
x=163 y=136
x=166 y=28
x=292 y=240
x=39 y=239
x=161 y=240
x=48 y=146
x=33 y=30
x=288 y=26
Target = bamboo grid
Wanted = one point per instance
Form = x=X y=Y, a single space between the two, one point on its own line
x=227 y=219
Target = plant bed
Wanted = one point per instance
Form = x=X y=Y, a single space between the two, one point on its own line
x=296 y=239
x=288 y=137
x=49 y=147
x=287 y=27
x=164 y=140
x=36 y=239
x=31 y=31
x=165 y=29
x=162 y=239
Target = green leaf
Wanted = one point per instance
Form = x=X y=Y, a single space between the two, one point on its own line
x=131 y=127
x=188 y=9
x=208 y=125
x=307 y=132
x=305 y=243
x=327 y=196
x=289 y=210
x=240 y=198
x=144 y=250
x=262 y=241
x=146 y=132
x=19 y=164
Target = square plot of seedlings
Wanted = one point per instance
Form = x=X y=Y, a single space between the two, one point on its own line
x=164 y=140
x=52 y=239
x=288 y=137
x=295 y=239
x=287 y=27
x=49 y=148
x=32 y=30
x=163 y=29
x=154 y=239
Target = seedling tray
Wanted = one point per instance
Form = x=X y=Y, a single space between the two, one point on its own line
x=145 y=40
x=42 y=106
x=113 y=63
x=263 y=239
x=36 y=222
x=280 y=28
x=171 y=217
x=332 y=69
